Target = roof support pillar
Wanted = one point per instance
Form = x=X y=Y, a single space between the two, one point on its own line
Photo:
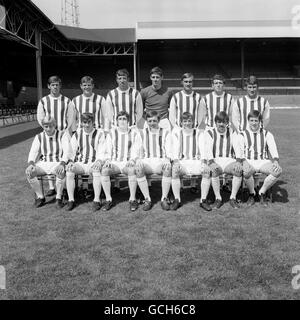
x=38 y=58
x=135 y=65
x=242 y=63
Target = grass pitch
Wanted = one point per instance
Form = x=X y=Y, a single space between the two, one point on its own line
x=187 y=254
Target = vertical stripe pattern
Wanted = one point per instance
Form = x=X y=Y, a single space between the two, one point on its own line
x=215 y=104
x=57 y=108
x=124 y=100
x=245 y=105
x=187 y=103
x=122 y=144
x=188 y=144
x=222 y=143
x=255 y=144
x=154 y=143
x=87 y=145
x=50 y=147
x=93 y=104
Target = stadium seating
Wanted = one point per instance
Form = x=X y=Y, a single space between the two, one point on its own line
x=17 y=114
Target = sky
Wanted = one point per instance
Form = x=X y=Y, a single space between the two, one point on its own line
x=126 y=13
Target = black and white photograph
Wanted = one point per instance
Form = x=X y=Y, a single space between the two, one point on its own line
x=149 y=151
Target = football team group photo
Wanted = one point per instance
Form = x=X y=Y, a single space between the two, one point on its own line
x=149 y=150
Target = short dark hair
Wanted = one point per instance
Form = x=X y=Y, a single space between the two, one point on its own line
x=152 y=113
x=218 y=77
x=187 y=75
x=251 y=80
x=123 y=113
x=54 y=79
x=122 y=72
x=86 y=79
x=157 y=70
x=185 y=116
x=87 y=116
x=254 y=114
x=222 y=116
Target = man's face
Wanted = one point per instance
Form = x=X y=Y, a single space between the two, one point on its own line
x=122 y=122
x=54 y=88
x=254 y=124
x=87 y=125
x=122 y=82
x=187 y=84
x=221 y=126
x=218 y=86
x=87 y=88
x=49 y=128
x=153 y=122
x=156 y=80
x=252 y=90
x=187 y=123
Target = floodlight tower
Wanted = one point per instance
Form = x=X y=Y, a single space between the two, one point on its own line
x=70 y=13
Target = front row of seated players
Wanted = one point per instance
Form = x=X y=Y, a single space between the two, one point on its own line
x=187 y=151
x=46 y=157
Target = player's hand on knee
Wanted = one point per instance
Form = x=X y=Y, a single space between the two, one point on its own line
x=97 y=165
x=237 y=168
x=70 y=166
x=130 y=163
x=59 y=170
x=107 y=164
x=214 y=168
x=30 y=170
x=205 y=169
x=275 y=166
x=166 y=165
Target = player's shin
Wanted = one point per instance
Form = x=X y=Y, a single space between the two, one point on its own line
x=143 y=184
x=70 y=182
x=205 y=185
x=250 y=184
x=176 y=188
x=268 y=183
x=59 y=187
x=36 y=186
x=97 y=185
x=132 y=183
x=236 y=183
x=165 y=186
x=215 y=181
x=106 y=184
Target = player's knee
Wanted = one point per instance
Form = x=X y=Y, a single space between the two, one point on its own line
x=175 y=171
x=130 y=171
x=30 y=175
x=216 y=173
x=70 y=174
x=206 y=175
x=139 y=172
x=248 y=173
x=276 y=173
x=96 y=173
x=70 y=169
x=237 y=173
x=167 y=172
x=106 y=172
x=61 y=175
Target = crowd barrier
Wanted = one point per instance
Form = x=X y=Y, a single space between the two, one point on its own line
x=17 y=114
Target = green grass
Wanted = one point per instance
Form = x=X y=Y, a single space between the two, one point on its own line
x=187 y=254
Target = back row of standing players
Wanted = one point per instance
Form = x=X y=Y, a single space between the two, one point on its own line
x=183 y=112
x=156 y=97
